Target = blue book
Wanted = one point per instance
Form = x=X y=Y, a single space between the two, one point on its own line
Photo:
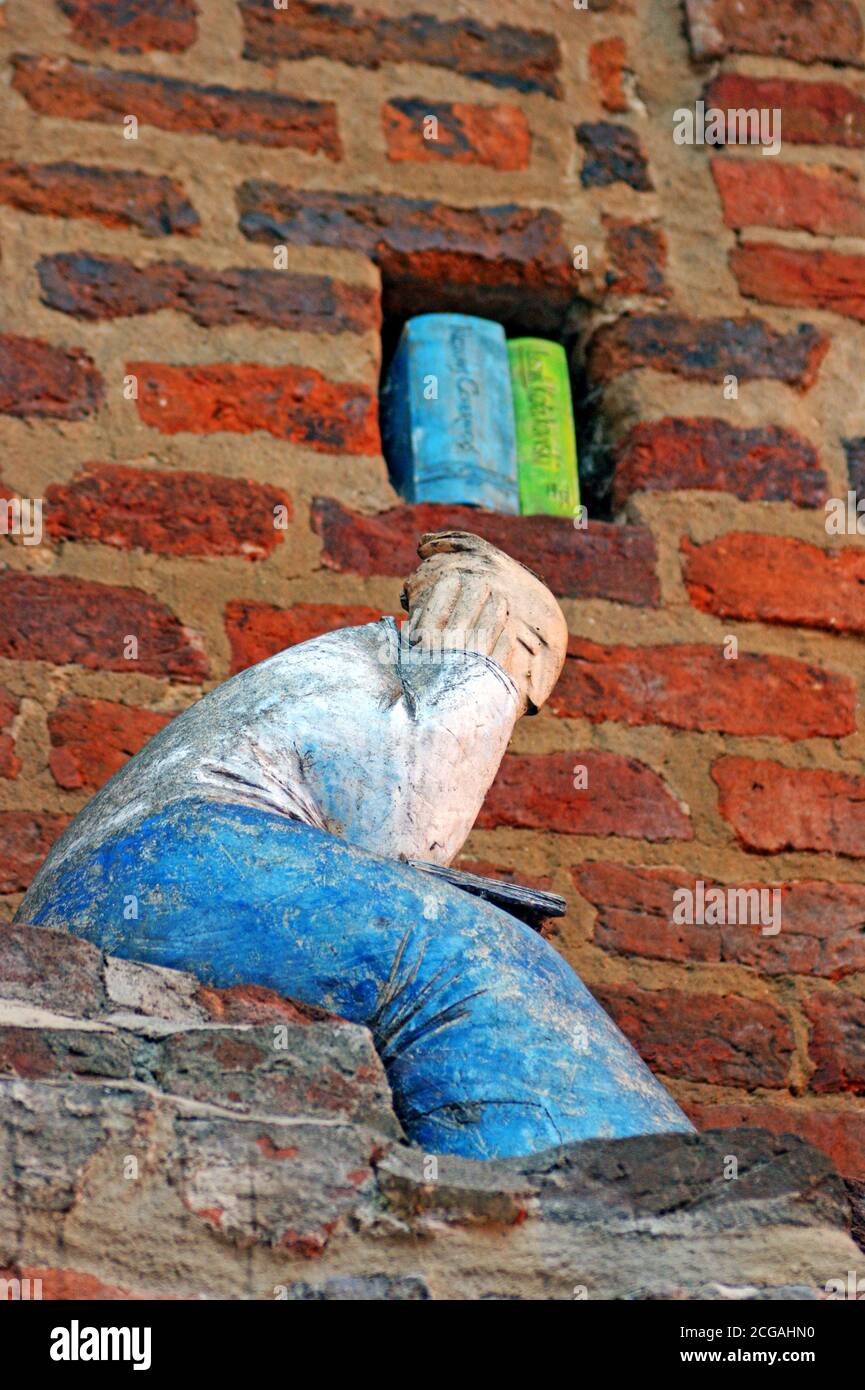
x=447 y=414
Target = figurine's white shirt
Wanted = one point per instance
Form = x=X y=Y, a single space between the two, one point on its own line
x=393 y=753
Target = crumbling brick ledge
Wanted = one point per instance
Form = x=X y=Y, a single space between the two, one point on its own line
x=162 y=1139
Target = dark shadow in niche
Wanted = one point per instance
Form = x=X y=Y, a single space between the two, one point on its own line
x=523 y=311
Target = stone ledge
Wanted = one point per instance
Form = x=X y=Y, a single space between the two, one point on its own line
x=162 y=1139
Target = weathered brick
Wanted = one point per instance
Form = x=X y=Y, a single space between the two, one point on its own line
x=25 y=839
x=602 y=561
x=818 y=31
x=707 y=349
x=10 y=765
x=169 y=513
x=606 y=66
x=464 y=134
x=692 y=686
x=101 y=287
x=614 y=154
x=503 y=55
x=773 y=808
x=294 y=403
x=257 y=1005
x=256 y=631
x=91 y=739
x=623 y=797
x=152 y=204
x=855 y=452
x=726 y=1039
x=638 y=257
x=66 y=975
x=837 y=1044
x=790 y=275
x=818 y=198
x=499 y=256
x=776 y=579
x=64 y=620
x=765 y=464
x=37 y=378
x=813 y=113
x=839 y=1133
x=133 y=26
x=822 y=924
x=80 y=92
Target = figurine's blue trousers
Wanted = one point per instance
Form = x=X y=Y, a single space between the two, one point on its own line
x=492 y=1045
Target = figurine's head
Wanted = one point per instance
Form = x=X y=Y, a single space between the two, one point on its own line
x=465 y=592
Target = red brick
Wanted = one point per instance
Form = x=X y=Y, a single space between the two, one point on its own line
x=614 y=154
x=765 y=464
x=257 y=1005
x=91 y=739
x=535 y=791
x=294 y=403
x=638 y=256
x=602 y=561
x=839 y=1133
x=496 y=260
x=259 y=630
x=775 y=579
x=818 y=31
x=170 y=513
x=503 y=55
x=792 y=276
x=822 y=924
x=101 y=287
x=813 y=113
x=65 y=620
x=726 y=1039
x=133 y=26
x=606 y=67
x=692 y=686
x=25 y=839
x=837 y=1044
x=773 y=808
x=39 y=379
x=466 y=134
x=707 y=349
x=10 y=765
x=152 y=204
x=77 y=91
x=818 y=198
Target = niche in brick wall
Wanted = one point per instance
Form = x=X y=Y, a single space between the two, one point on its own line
x=525 y=308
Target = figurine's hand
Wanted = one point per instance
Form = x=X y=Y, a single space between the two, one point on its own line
x=459 y=606
x=467 y=593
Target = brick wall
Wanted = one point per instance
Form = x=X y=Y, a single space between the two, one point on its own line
x=717 y=328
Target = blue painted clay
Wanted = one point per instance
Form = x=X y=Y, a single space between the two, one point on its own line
x=493 y=1046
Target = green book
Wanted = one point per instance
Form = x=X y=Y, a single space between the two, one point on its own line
x=544 y=415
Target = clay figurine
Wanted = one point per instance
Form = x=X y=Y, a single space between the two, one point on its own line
x=267 y=836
